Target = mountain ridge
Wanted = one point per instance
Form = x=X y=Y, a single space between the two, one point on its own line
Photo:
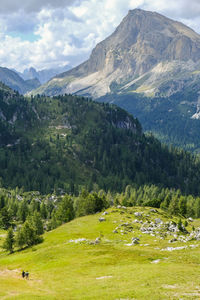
x=15 y=82
x=141 y=41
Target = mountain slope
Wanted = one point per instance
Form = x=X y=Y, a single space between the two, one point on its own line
x=150 y=66
x=67 y=142
x=15 y=82
x=70 y=265
x=144 y=43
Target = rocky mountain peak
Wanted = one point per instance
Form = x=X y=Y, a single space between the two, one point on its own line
x=142 y=41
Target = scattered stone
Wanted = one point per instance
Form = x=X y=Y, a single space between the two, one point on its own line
x=86 y=241
x=172 y=240
x=124 y=207
x=135 y=241
x=193 y=246
x=174 y=248
x=105 y=213
x=115 y=231
x=195 y=235
x=138 y=214
x=119 y=206
x=158 y=221
x=190 y=220
x=156 y=261
x=98 y=240
x=79 y=241
x=103 y=277
x=136 y=221
x=102 y=219
x=153 y=210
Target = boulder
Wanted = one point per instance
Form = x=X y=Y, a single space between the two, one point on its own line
x=138 y=214
x=98 y=240
x=153 y=210
x=172 y=240
x=190 y=220
x=158 y=221
x=105 y=213
x=135 y=241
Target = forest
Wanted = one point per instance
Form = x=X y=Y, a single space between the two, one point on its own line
x=67 y=142
x=67 y=156
x=28 y=214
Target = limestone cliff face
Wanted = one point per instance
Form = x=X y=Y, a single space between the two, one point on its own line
x=141 y=42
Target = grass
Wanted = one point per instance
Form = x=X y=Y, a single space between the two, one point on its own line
x=62 y=270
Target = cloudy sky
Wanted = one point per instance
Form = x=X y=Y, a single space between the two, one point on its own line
x=51 y=33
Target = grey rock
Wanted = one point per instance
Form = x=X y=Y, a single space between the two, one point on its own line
x=153 y=210
x=172 y=240
x=98 y=240
x=135 y=241
x=102 y=219
x=157 y=221
x=105 y=213
x=190 y=220
x=138 y=214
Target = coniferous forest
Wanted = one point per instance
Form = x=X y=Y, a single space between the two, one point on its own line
x=79 y=157
x=66 y=143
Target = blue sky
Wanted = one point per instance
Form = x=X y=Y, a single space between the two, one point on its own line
x=51 y=33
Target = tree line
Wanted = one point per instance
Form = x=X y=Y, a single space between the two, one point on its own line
x=26 y=215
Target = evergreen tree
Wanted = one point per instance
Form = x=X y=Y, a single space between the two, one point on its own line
x=5 y=218
x=182 y=205
x=9 y=241
x=37 y=223
x=20 y=238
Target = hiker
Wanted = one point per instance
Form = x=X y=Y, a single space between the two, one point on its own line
x=27 y=274
x=23 y=274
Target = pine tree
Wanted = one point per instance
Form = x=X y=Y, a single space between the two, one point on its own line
x=37 y=223
x=4 y=218
x=20 y=239
x=9 y=241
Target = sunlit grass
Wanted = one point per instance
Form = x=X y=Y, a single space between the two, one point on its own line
x=62 y=270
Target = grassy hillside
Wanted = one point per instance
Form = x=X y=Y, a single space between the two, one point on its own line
x=63 y=268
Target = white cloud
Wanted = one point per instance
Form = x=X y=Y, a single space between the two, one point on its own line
x=68 y=30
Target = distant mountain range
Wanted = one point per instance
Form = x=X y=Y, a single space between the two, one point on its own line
x=14 y=81
x=150 y=66
x=44 y=75
x=30 y=79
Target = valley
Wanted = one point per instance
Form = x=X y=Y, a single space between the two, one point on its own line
x=99 y=162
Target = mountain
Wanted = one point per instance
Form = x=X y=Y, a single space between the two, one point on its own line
x=144 y=43
x=148 y=57
x=15 y=82
x=44 y=75
x=67 y=142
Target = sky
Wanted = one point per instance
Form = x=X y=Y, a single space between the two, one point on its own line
x=49 y=33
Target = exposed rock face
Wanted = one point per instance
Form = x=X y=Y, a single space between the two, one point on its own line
x=145 y=43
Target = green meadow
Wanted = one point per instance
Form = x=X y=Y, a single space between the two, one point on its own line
x=63 y=267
